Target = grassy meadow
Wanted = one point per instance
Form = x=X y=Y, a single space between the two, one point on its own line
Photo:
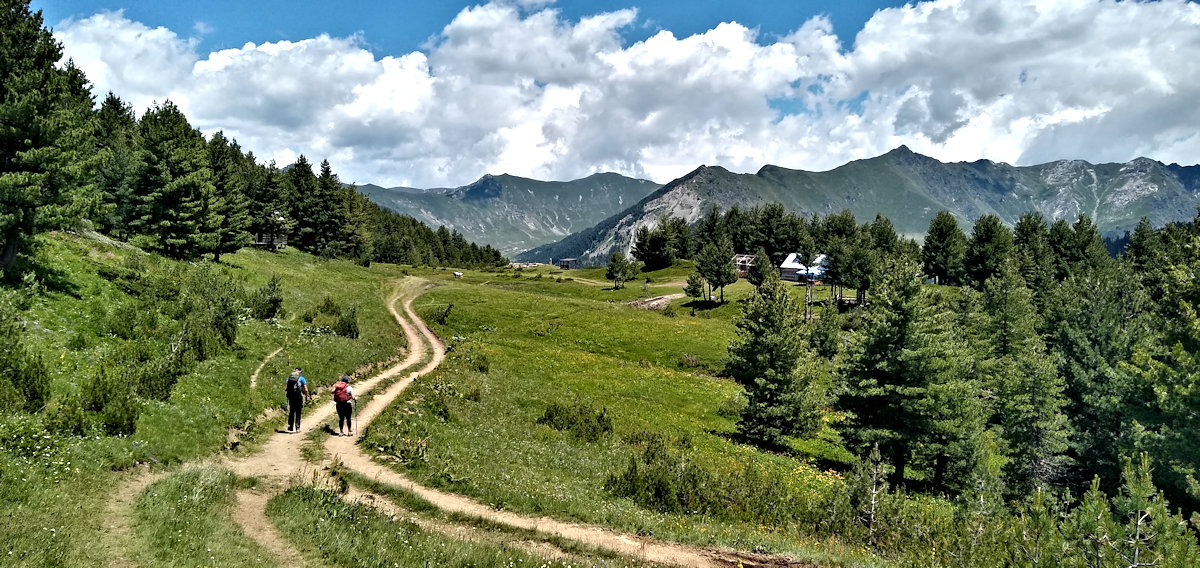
x=87 y=305
x=520 y=342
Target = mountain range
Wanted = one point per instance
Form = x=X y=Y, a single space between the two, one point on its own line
x=514 y=214
x=593 y=216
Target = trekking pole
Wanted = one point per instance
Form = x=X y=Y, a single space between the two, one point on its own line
x=356 y=417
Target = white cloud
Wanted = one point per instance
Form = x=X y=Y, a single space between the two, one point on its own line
x=514 y=87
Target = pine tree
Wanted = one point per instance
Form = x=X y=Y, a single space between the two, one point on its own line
x=269 y=207
x=716 y=266
x=621 y=269
x=1091 y=326
x=761 y=269
x=908 y=385
x=47 y=142
x=652 y=246
x=944 y=249
x=990 y=246
x=1035 y=259
x=302 y=191
x=711 y=229
x=680 y=235
x=118 y=161
x=785 y=384
x=174 y=186
x=1027 y=387
x=229 y=212
x=697 y=287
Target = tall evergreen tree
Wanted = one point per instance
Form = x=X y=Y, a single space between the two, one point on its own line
x=308 y=209
x=990 y=246
x=229 y=210
x=652 y=246
x=716 y=265
x=174 y=186
x=944 y=249
x=909 y=388
x=47 y=141
x=1035 y=259
x=761 y=270
x=1028 y=389
x=785 y=383
x=711 y=229
x=621 y=270
x=268 y=205
x=117 y=163
x=1092 y=325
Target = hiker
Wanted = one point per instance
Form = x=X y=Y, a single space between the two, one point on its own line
x=296 y=391
x=343 y=395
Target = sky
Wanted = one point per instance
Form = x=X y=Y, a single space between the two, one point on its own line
x=437 y=94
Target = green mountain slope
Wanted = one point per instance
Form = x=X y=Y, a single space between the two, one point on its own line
x=515 y=214
x=910 y=189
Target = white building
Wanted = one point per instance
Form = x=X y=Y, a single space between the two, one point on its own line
x=793 y=271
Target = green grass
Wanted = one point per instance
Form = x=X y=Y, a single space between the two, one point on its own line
x=64 y=483
x=321 y=524
x=550 y=342
x=184 y=520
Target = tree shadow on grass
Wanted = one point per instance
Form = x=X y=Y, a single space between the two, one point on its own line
x=53 y=279
x=701 y=305
x=817 y=461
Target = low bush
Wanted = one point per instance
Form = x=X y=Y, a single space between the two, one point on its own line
x=24 y=378
x=329 y=307
x=580 y=420
x=347 y=323
x=266 y=302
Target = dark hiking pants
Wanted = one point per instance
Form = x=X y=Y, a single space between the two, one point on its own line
x=295 y=405
x=344 y=410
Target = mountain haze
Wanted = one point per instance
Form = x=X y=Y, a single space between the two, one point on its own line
x=514 y=214
x=910 y=189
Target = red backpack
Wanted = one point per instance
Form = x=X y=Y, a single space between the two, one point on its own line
x=340 y=393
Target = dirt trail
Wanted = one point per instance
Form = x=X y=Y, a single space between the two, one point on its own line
x=251 y=516
x=655 y=303
x=279 y=460
x=254 y=375
x=458 y=531
x=119 y=516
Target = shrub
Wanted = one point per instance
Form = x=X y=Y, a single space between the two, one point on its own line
x=266 y=301
x=329 y=307
x=24 y=378
x=580 y=420
x=665 y=482
x=347 y=323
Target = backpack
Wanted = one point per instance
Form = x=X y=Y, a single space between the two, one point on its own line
x=293 y=386
x=340 y=392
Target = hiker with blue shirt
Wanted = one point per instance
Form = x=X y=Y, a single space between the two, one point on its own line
x=296 y=391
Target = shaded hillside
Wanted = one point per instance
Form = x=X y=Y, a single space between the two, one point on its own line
x=910 y=188
x=515 y=214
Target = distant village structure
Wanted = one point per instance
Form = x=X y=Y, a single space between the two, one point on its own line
x=270 y=241
x=568 y=263
x=793 y=270
x=743 y=262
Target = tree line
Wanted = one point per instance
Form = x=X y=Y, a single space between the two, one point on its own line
x=1041 y=363
x=158 y=183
